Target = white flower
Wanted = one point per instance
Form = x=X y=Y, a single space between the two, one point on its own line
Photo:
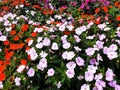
x=85 y=87
x=66 y=45
x=38 y=30
x=89 y=76
x=107 y=29
x=98 y=76
x=77 y=48
x=39 y=39
x=62 y=27
x=21 y=5
x=70 y=73
x=79 y=61
x=90 y=51
x=112 y=55
x=17 y=81
x=1 y=19
x=43 y=54
x=90 y=37
x=30 y=42
x=54 y=46
x=20 y=68
x=71 y=65
x=77 y=38
x=32 y=13
x=58 y=84
x=39 y=45
x=1 y=85
x=92 y=68
x=8 y=29
x=46 y=42
x=70 y=27
x=31 y=72
x=3 y=38
x=42 y=64
x=102 y=26
x=109 y=75
x=50 y=72
x=102 y=36
x=33 y=56
x=99 y=57
x=78 y=31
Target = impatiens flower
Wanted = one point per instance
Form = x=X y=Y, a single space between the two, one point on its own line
x=85 y=87
x=102 y=36
x=109 y=75
x=99 y=44
x=68 y=55
x=70 y=73
x=31 y=72
x=38 y=30
x=66 y=45
x=59 y=85
x=2 y=76
x=71 y=65
x=102 y=26
x=77 y=39
x=50 y=72
x=54 y=46
x=20 y=68
x=43 y=54
x=92 y=68
x=39 y=39
x=117 y=87
x=30 y=42
x=42 y=64
x=1 y=85
x=112 y=55
x=77 y=48
x=112 y=83
x=46 y=42
x=89 y=76
x=3 y=38
x=39 y=45
x=17 y=81
x=98 y=76
x=79 y=61
x=90 y=51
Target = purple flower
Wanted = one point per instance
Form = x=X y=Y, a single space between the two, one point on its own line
x=112 y=83
x=92 y=61
x=0 y=33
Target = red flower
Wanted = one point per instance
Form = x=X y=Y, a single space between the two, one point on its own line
x=33 y=34
x=24 y=27
x=9 y=55
x=105 y=9
x=6 y=42
x=23 y=62
x=2 y=76
x=13 y=32
x=118 y=18
x=16 y=38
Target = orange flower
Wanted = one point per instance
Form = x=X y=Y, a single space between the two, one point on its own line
x=24 y=27
x=33 y=34
x=9 y=55
x=105 y=9
x=16 y=38
x=12 y=32
x=13 y=26
x=118 y=18
x=2 y=68
x=1 y=62
x=23 y=62
x=6 y=8
x=6 y=42
x=16 y=46
x=97 y=10
x=2 y=76
x=28 y=39
x=67 y=32
x=116 y=3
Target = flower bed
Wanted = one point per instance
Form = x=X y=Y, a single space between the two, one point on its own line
x=45 y=45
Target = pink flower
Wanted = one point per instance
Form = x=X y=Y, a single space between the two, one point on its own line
x=31 y=72
x=109 y=75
